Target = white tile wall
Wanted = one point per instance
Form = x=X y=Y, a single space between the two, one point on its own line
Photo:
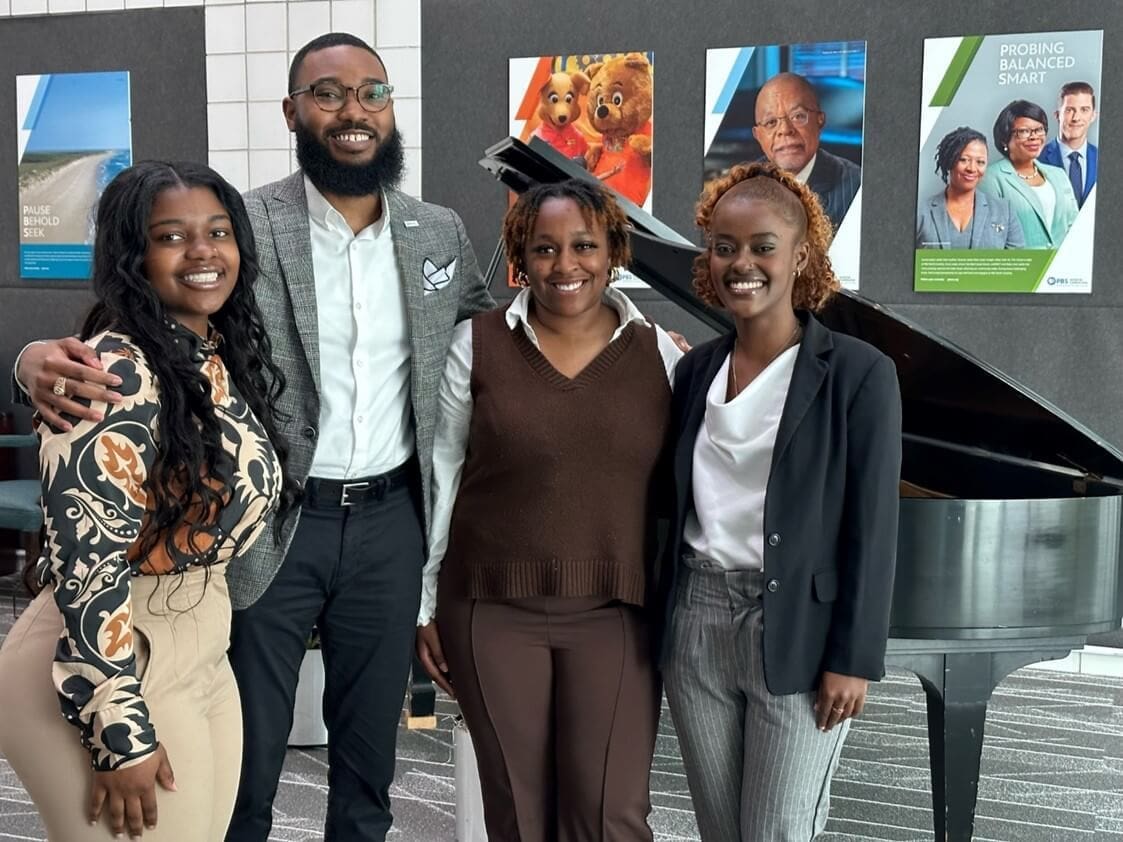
x=266 y=27
x=403 y=66
x=226 y=78
x=267 y=126
x=29 y=7
x=354 y=16
x=307 y=20
x=267 y=77
x=226 y=29
x=399 y=24
x=249 y=44
x=234 y=166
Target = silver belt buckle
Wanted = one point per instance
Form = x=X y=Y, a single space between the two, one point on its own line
x=348 y=487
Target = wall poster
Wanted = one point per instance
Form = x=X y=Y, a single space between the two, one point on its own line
x=594 y=108
x=802 y=107
x=74 y=135
x=1006 y=198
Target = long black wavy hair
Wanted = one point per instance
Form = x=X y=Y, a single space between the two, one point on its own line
x=192 y=474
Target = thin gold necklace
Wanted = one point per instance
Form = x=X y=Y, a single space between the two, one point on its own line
x=733 y=357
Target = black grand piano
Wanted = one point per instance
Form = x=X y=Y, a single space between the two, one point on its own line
x=1011 y=511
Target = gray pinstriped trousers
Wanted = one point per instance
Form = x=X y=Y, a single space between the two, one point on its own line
x=758 y=768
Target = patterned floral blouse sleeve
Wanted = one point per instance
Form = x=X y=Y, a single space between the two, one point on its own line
x=94 y=498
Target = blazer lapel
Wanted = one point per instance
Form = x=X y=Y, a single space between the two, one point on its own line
x=807 y=378
x=980 y=220
x=1020 y=187
x=939 y=218
x=696 y=411
x=408 y=253
x=292 y=240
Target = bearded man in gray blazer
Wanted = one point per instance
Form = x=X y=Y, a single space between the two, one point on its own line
x=360 y=287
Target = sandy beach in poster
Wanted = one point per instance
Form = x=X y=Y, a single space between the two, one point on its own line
x=74 y=137
x=1033 y=219
x=801 y=105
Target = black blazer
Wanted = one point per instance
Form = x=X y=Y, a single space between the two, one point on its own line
x=830 y=513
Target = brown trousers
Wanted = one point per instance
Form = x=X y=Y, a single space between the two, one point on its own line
x=562 y=702
x=182 y=630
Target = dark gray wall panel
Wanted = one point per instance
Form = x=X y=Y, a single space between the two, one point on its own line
x=1066 y=348
x=164 y=51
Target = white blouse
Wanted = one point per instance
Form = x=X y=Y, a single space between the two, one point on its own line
x=1047 y=197
x=732 y=462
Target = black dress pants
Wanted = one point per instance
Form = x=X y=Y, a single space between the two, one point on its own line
x=355 y=572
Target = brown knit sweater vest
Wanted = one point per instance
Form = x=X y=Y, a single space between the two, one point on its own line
x=555 y=494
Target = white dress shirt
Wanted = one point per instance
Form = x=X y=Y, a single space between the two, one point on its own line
x=454 y=418
x=364 y=346
x=732 y=463
x=805 y=173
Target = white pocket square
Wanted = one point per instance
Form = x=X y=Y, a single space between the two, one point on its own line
x=437 y=277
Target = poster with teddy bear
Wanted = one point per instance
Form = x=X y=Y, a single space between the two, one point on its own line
x=802 y=107
x=594 y=108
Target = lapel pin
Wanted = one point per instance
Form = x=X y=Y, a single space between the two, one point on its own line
x=410 y=223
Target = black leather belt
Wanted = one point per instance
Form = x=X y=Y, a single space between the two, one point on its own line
x=331 y=493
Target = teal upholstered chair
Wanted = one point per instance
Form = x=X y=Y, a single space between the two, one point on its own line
x=19 y=501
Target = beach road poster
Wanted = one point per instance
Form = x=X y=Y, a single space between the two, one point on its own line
x=74 y=135
x=1009 y=160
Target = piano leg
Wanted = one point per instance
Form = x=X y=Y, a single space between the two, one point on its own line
x=422 y=699
x=958 y=686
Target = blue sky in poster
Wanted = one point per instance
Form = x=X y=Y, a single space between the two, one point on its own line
x=75 y=112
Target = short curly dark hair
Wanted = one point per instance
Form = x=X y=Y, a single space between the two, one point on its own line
x=597 y=207
x=951 y=147
x=1004 y=124
x=817 y=282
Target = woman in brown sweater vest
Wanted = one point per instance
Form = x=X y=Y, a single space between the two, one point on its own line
x=553 y=413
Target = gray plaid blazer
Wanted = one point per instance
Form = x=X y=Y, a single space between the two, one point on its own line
x=286 y=294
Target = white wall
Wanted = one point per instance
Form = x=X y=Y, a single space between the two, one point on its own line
x=249 y=46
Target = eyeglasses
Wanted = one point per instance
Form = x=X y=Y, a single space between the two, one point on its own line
x=1026 y=134
x=798 y=119
x=331 y=96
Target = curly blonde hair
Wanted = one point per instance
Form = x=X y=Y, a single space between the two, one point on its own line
x=815 y=285
x=597 y=207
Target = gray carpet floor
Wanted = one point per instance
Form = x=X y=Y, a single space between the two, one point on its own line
x=1052 y=771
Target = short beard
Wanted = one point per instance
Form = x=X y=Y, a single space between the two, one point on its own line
x=341 y=179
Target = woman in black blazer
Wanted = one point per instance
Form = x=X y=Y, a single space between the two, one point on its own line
x=786 y=457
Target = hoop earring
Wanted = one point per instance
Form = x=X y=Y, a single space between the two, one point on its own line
x=614 y=275
x=521 y=279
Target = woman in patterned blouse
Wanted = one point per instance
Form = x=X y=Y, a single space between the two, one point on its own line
x=144 y=508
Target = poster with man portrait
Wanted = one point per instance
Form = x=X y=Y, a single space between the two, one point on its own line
x=74 y=134
x=1009 y=160
x=801 y=106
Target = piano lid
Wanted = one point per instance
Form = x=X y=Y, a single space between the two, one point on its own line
x=950 y=397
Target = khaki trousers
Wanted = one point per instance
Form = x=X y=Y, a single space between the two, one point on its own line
x=181 y=627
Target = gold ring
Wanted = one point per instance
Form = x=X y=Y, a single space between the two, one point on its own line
x=60 y=386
